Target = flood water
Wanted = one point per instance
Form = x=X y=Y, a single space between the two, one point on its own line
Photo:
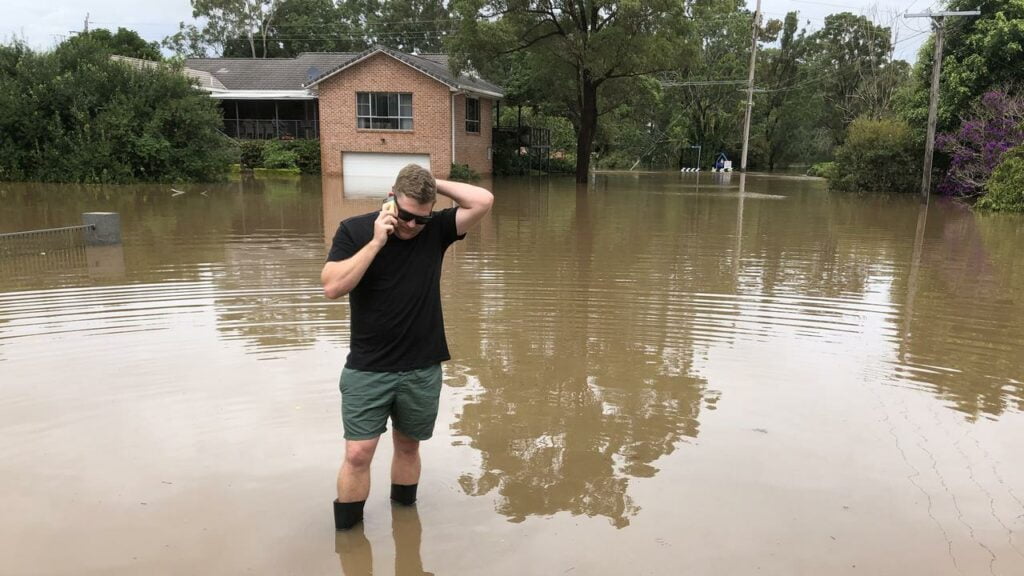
x=654 y=374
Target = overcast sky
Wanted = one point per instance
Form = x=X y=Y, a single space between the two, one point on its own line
x=43 y=23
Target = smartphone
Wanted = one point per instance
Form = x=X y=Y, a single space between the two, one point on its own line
x=390 y=205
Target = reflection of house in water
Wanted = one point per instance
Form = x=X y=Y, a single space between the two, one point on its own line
x=337 y=207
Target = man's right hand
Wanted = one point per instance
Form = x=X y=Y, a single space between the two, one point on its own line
x=383 y=226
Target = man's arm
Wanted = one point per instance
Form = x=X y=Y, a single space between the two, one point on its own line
x=339 y=278
x=474 y=203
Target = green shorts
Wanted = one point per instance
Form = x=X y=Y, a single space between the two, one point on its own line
x=410 y=398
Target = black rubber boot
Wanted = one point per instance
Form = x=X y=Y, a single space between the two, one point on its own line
x=404 y=493
x=347 y=514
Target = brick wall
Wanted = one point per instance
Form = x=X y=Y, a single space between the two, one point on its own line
x=431 y=113
x=471 y=147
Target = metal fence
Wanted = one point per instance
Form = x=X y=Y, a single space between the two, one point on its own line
x=43 y=242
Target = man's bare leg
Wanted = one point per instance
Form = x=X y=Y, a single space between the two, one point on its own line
x=353 y=482
x=354 y=476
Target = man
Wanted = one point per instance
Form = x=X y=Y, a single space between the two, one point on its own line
x=389 y=263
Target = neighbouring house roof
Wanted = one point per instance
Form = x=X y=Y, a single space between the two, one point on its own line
x=282 y=78
x=205 y=79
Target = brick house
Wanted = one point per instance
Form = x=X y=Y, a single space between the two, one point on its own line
x=373 y=112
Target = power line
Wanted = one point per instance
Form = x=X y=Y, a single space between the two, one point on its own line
x=671 y=83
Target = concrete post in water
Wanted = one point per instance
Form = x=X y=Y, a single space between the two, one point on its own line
x=105 y=228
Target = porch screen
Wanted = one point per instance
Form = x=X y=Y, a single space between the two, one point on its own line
x=384 y=110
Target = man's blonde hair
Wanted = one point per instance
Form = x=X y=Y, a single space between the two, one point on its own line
x=416 y=182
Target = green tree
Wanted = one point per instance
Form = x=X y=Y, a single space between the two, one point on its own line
x=315 y=26
x=851 y=58
x=583 y=54
x=124 y=42
x=274 y=28
x=237 y=27
x=711 y=113
x=787 y=117
x=76 y=115
x=980 y=53
x=409 y=25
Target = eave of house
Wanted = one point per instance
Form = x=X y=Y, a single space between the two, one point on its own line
x=261 y=94
x=477 y=92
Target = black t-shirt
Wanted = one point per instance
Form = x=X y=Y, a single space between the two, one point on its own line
x=396 y=322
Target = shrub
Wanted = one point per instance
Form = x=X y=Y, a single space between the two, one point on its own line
x=562 y=165
x=302 y=155
x=252 y=153
x=878 y=156
x=463 y=173
x=278 y=154
x=996 y=124
x=75 y=115
x=1005 y=189
x=307 y=155
x=823 y=170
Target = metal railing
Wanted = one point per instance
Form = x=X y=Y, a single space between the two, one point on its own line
x=47 y=231
x=41 y=242
x=270 y=129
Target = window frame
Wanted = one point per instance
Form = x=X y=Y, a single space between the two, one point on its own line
x=473 y=124
x=397 y=115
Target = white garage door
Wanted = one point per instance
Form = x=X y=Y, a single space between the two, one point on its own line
x=372 y=174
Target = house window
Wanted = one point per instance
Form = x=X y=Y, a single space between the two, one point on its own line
x=384 y=110
x=472 y=115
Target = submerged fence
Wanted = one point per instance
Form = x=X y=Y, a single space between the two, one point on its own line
x=52 y=248
x=40 y=242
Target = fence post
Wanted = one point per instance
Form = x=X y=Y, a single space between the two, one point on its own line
x=104 y=228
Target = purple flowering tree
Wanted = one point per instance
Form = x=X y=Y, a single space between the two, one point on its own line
x=995 y=126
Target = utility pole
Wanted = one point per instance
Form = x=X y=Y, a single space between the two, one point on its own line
x=938 y=21
x=86 y=23
x=750 y=86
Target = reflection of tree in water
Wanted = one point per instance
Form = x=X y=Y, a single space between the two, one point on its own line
x=962 y=335
x=584 y=385
x=570 y=437
x=267 y=288
x=253 y=247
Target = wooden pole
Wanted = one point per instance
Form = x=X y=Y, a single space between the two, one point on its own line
x=938 y=24
x=750 y=86
x=933 y=109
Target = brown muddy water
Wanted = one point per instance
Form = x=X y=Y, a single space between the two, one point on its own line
x=657 y=374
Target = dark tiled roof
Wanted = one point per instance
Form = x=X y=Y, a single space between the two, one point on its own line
x=309 y=67
x=436 y=65
x=433 y=65
x=269 y=73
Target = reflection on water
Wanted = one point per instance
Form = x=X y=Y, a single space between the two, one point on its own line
x=241 y=250
x=817 y=359
x=355 y=550
x=962 y=337
x=585 y=369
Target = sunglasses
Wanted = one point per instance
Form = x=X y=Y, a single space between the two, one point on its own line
x=407 y=216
